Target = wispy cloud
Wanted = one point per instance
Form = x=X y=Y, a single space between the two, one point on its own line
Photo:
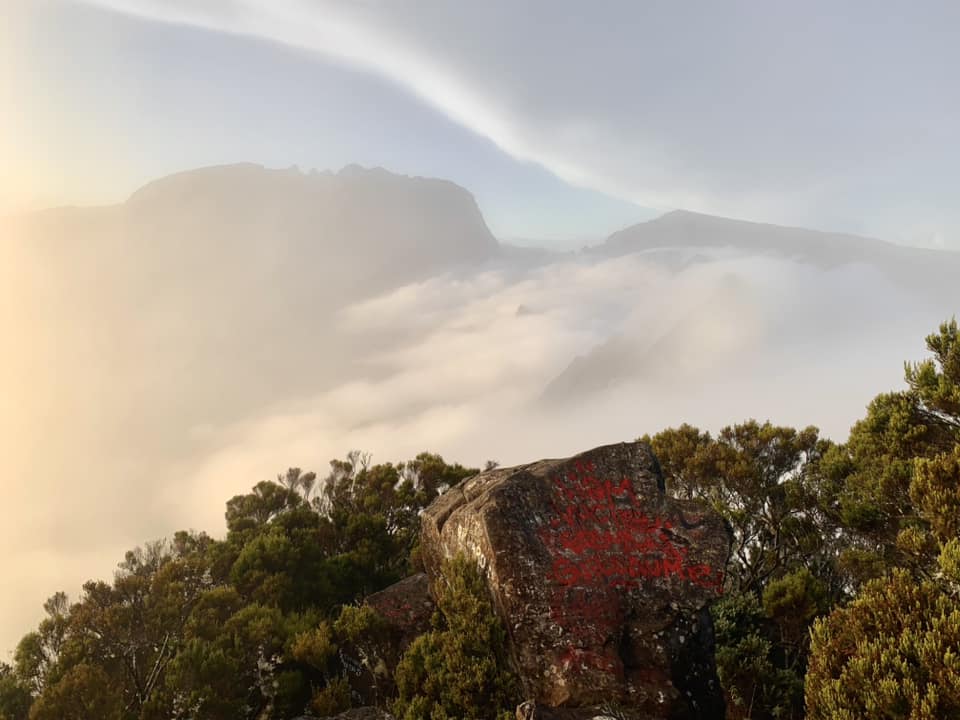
x=799 y=114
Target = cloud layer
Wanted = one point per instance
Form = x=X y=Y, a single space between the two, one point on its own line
x=160 y=356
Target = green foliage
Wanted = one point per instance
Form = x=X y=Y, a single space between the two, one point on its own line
x=254 y=510
x=874 y=472
x=792 y=602
x=880 y=452
x=891 y=472
x=203 y=677
x=813 y=521
x=949 y=564
x=367 y=636
x=31 y=662
x=758 y=477
x=751 y=670
x=460 y=670
x=84 y=692
x=247 y=627
x=15 y=698
x=359 y=624
x=333 y=699
x=375 y=509
x=936 y=381
x=935 y=491
x=37 y=653
x=893 y=652
x=314 y=647
x=254 y=626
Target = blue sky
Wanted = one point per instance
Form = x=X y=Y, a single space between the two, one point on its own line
x=118 y=101
x=565 y=119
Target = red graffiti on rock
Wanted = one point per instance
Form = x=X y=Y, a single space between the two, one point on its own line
x=600 y=535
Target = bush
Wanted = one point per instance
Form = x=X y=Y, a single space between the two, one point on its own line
x=891 y=653
x=755 y=685
x=461 y=669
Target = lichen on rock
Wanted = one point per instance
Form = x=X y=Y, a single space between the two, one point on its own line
x=600 y=578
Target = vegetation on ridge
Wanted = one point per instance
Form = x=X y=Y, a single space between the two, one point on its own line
x=842 y=598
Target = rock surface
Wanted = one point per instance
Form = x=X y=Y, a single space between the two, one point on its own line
x=531 y=711
x=364 y=713
x=406 y=608
x=601 y=579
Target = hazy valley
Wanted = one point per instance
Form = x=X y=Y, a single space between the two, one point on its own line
x=201 y=336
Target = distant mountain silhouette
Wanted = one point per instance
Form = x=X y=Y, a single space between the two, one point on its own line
x=832 y=285
x=919 y=269
x=653 y=354
x=388 y=228
x=227 y=280
x=249 y=266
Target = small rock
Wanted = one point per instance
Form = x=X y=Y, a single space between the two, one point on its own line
x=364 y=713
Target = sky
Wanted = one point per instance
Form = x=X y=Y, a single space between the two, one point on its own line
x=98 y=102
x=596 y=116
x=121 y=421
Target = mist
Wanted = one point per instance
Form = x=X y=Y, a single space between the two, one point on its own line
x=162 y=355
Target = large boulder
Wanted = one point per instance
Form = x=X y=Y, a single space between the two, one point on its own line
x=601 y=579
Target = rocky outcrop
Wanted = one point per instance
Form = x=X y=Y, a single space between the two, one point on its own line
x=405 y=609
x=601 y=579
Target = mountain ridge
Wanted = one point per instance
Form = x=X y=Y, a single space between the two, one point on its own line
x=695 y=226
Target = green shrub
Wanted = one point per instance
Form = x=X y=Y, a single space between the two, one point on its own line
x=894 y=652
x=460 y=670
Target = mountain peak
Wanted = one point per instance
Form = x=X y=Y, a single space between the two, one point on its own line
x=353 y=170
x=396 y=227
x=681 y=229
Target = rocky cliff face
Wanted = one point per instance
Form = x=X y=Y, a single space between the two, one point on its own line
x=601 y=579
